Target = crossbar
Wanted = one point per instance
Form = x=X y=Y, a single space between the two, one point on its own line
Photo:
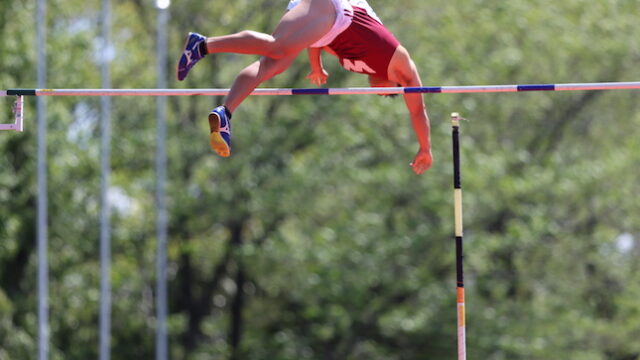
x=331 y=91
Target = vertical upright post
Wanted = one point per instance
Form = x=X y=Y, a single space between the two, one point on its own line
x=18 y=112
x=457 y=197
x=161 y=175
x=105 y=171
x=42 y=215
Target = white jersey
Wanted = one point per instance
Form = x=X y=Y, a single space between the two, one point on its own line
x=363 y=4
x=344 y=16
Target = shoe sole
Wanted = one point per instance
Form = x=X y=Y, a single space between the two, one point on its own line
x=216 y=141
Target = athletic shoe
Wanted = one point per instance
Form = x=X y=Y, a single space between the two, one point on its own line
x=220 y=125
x=190 y=55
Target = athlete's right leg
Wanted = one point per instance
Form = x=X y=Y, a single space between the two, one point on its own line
x=300 y=27
x=254 y=75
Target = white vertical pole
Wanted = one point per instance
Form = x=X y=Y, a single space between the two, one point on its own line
x=43 y=264
x=161 y=175
x=105 y=209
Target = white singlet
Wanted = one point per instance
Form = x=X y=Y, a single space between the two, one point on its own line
x=344 y=15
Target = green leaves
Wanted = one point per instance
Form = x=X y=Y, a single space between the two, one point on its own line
x=315 y=239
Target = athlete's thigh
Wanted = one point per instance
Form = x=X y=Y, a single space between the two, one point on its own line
x=305 y=24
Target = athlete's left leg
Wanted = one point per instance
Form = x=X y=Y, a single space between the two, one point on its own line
x=248 y=79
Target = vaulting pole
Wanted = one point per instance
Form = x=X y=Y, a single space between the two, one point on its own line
x=457 y=202
x=629 y=85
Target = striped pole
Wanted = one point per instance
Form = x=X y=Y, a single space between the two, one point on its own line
x=333 y=91
x=457 y=202
x=631 y=85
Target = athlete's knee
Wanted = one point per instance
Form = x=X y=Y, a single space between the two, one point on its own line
x=273 y=48
x=269 y=46
x=270 y=67
x=277 y=70
x=278 y=51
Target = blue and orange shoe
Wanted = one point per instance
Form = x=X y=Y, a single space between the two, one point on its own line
x=220 y=126
x=191 y=54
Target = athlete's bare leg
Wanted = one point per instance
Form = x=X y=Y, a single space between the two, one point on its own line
x=300 y=27
x=252 y=76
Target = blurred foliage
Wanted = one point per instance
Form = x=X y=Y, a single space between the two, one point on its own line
x=315 y=240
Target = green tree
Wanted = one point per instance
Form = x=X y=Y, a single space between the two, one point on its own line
x=315 y=240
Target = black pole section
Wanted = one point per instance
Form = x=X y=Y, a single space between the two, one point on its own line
x=457 y=186
x=21 y=92
x=457 y=183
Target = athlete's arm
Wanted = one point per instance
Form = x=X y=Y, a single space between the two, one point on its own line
x=403 y=71
x=318 y=75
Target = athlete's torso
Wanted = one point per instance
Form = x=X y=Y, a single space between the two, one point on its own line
x=366 y=46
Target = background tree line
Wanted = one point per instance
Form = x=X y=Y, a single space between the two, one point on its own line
x=315 y=240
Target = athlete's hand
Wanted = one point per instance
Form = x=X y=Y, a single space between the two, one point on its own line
x=422 y=161
x=318 y=78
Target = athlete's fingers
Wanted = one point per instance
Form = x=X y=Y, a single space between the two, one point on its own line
x=418 y=168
